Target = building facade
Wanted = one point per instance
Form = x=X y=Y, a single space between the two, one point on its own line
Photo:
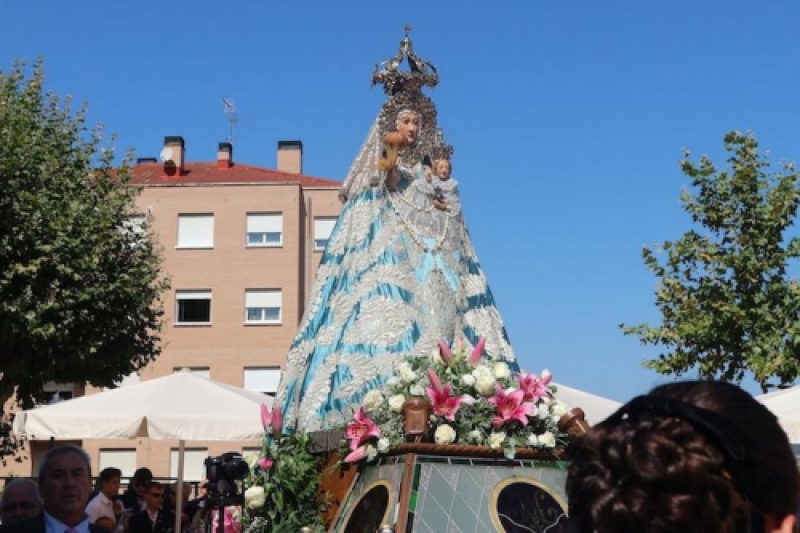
x=241 y=245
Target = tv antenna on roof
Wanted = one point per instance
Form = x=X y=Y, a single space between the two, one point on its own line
x=229 y=107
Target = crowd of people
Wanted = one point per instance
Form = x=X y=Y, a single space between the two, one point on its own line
x=62 y=500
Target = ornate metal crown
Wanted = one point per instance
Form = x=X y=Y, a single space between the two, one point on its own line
x=420 y=73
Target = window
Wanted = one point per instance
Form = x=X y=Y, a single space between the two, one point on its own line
x=264 y=229
x=323 y=227
x=194 y=468
x=262 y=306
x=57 y=392
x=193 y=307
x=262 y=379
x=195 y=231
x=202 y=371
x=122 y=458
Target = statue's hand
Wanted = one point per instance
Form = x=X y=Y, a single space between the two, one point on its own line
x=388 y=159
x=392 y=142
x=441 y=205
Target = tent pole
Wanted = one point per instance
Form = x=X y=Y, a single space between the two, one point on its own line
x=179 y=489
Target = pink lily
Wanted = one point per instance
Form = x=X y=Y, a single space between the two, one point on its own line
x=265 y=464
x=477 y=352
x=361 y=429
x=510 y=406
x=356 y=455
x=266 y=417
x=441 y=396
x=277 y=421
x=272 y=419
x=534 y=387
x=445 y=353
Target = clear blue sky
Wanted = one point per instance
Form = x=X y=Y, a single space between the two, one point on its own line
x=568 y=119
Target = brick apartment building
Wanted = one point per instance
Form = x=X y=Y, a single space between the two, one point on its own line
x=241 y=245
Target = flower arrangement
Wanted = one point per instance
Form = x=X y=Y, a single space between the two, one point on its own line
x=282 y=490
x=473 y=400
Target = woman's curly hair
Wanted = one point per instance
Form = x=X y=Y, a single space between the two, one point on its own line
x=656 y=473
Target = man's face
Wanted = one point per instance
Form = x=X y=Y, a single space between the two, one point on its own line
x=20 y=500
x=111 y=487
x=154 y=498
x=65 y=486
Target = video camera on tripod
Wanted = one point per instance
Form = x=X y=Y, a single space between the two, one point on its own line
x=223 y=473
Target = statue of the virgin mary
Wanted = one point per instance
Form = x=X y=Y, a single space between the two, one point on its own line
x=399 y=272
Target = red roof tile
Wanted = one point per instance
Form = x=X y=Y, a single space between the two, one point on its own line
x=200 y=173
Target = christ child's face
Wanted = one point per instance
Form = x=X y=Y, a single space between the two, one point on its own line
x=442 y=169
x=408 y=124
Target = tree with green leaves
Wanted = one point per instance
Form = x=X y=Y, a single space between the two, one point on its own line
x=728 y=302
x=80 y=280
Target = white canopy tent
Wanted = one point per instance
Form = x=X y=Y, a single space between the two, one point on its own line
x=785 y=404
x=182 y=406
x=597 y=408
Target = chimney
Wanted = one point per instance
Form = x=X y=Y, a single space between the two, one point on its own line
x=173 y=155
x=290 y=156
x=225 y=155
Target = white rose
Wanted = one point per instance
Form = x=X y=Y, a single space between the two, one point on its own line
x=408 y=376
x=254 y=497
x=393 y=381
x=543 y=413
x=396 y=402
x=383 y=445
x=373 y=400
x=501 y=370
x=417 y=390
x=466 y=399
x=558 y=408
x=444 y=434
x=484 y=380
x=468 y=380
x=496 y=439
x=533 y=440
x=547 y=439
x=482 y=370
x=372 y=452
x=475 y=435
x=484 y=384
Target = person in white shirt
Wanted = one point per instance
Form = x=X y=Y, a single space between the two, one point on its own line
x=105 y=509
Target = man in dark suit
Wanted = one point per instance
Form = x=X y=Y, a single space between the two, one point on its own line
x=154 y=518
x=65 y=481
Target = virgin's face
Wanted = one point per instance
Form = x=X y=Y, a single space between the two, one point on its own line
x=408 y=125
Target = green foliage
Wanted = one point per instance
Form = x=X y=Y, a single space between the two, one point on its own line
x=79 y=275
x=290 y=478
x=728 y=303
